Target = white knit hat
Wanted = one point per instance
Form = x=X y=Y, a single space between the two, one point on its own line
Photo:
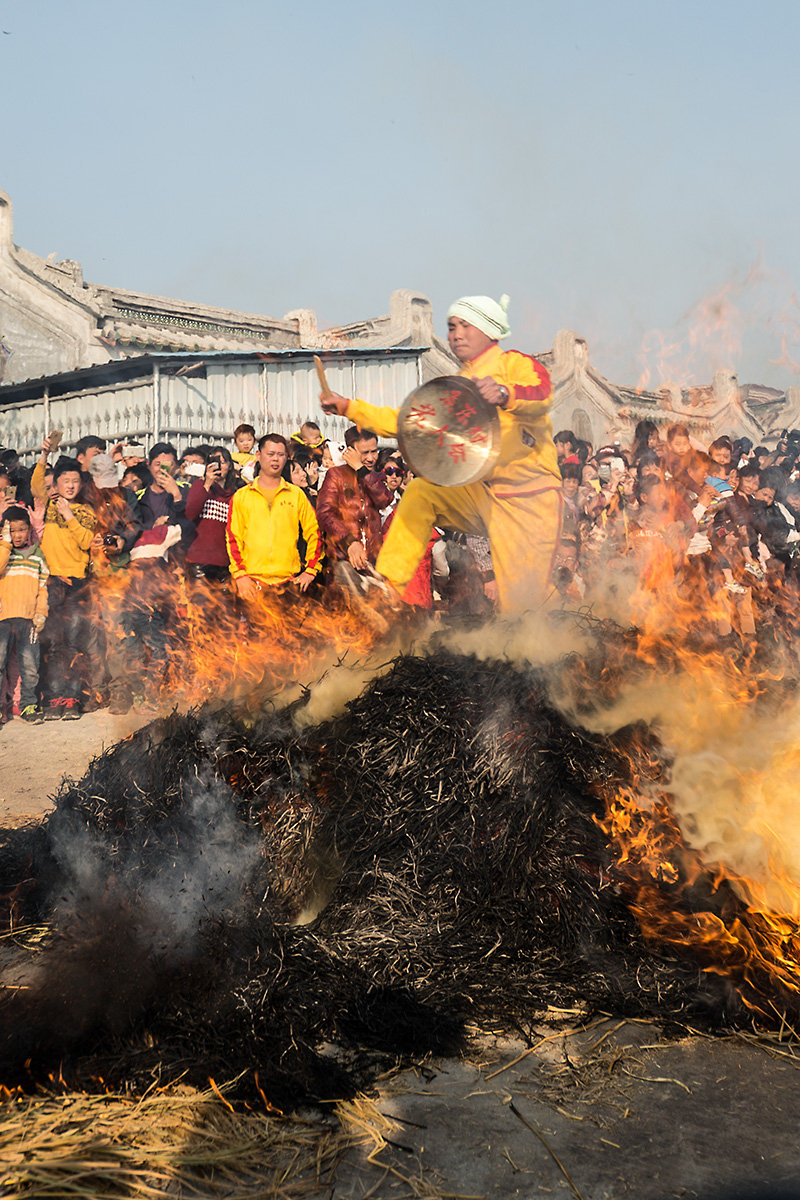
x=484 y=313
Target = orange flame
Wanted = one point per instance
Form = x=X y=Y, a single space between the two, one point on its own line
x=218 y=648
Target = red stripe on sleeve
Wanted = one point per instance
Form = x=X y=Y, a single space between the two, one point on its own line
x=540 y=392
x=234 y=550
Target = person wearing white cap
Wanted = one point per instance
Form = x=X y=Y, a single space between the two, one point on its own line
x=518 y=507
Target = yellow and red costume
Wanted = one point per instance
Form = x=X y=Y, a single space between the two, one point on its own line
x=518 y=507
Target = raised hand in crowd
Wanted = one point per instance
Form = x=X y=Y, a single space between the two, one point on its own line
x=213 y=474
x=352 y=457
x=64 y=508
x=165 y=480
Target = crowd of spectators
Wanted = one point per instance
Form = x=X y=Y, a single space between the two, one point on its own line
x=97 y=545
x=711 y=533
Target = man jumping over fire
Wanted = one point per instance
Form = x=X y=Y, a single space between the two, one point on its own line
x=518 y=506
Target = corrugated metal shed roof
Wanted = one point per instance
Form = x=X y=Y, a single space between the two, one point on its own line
x=142 y=364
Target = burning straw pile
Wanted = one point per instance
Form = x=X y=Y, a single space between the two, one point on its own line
x=304 y=907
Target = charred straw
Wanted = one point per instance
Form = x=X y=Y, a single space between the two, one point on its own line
x=223 y=898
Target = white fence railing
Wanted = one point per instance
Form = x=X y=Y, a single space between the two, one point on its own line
x=199 y=398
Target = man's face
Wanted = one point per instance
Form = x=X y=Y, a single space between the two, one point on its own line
x=244 y=442
x=721 y=457
x=272 y=458
x=87 y=456
x=68 y=484
x=649 y=469
x=793 y=500
x=19 y=533
x=748 y=485
x=163 y=464
x=466 y=341
x=368 y=449
x=680 y=445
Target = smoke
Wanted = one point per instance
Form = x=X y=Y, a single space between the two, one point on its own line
x=345 y=680
x=753 y=317
x=190 y=870
x=126 y=915
x=733 y=761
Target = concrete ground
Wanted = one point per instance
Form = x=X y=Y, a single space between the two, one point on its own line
x=35 y=758
x=615 y=1111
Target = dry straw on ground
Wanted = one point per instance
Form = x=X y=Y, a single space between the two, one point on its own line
x=178 y=1142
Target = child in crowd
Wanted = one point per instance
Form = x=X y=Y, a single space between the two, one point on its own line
x=244 y=456
x=23 y=604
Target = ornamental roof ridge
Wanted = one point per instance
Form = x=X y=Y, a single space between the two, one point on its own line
x=147 y=307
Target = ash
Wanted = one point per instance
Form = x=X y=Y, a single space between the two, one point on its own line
x=308 y=907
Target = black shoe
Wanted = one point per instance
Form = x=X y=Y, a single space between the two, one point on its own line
x=71 y=709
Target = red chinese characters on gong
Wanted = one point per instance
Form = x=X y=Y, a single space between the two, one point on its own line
x=421 y=414
x=449 y=400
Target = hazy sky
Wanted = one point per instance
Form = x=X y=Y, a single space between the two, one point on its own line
x=625 y=169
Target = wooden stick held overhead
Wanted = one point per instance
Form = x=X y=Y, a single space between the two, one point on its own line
x=323 y=383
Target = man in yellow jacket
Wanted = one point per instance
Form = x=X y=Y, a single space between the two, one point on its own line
x=518 y=507
x=264 y=522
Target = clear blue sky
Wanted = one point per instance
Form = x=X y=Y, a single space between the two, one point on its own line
x=624 y=169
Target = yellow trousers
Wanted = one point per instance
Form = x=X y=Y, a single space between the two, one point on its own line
x=522 y=526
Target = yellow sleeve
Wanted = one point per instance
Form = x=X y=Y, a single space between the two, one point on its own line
x=80 y=533
x=382 y=421
x=38 y=487
x=529 y=387
x=5 y=555
x=234 y=535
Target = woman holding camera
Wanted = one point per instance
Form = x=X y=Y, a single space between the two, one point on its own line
x=207 y=506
